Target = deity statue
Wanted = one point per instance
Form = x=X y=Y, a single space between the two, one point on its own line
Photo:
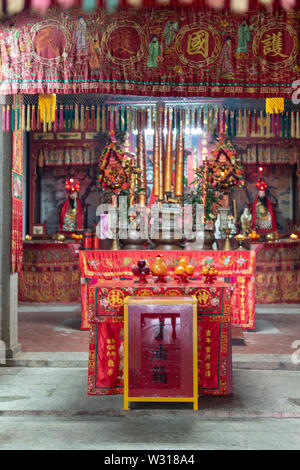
x=246 y=219
x=263 y=217
x=71 y=219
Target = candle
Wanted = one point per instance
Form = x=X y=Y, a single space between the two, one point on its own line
x=156 y=173
x=132 y=187
x=234 y=210
x=179 y=161
x=161 y=156
x=168 y=163
x=141 y=164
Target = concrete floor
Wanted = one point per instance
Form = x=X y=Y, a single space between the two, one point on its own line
x=44 y=404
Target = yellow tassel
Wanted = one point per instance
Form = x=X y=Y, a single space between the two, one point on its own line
x=46 y=101
x=275 y=105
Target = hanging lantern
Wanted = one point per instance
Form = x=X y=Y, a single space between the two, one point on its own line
x=45 y=102
x=274 y=105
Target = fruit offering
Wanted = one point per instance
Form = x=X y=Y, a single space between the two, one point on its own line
x=141 y=270
x=210 y=274
x=159 y=269
x=183 y=270
x=254 y=235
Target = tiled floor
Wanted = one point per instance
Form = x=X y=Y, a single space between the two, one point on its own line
x=56 y=327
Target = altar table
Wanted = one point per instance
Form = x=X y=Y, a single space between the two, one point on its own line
x=237 y=266
x=277 y=272
x=106 y=355
x=50 y=272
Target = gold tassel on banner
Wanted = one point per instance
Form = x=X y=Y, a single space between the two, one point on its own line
x=240 y=123
x=179 y=161
x=156 y=169
x=23 y=118
x=98 y=119
x=28 y=118
x=141 y=164
x=82 y=118
x=292 y=124
x=103 y=127
x=168 y=162
x=76 y=118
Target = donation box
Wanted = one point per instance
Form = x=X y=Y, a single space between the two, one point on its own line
x=160 y=349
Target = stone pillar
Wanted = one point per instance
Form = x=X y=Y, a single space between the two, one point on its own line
x=8 y=281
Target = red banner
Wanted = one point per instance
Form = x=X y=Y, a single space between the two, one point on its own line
x=152 y=52
x=17 y=197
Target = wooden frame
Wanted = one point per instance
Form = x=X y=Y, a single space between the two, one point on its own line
x=38 y=230
x=191 y=300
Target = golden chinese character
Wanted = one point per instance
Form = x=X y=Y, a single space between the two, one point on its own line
x=111 y=363
x=208 y=333
x=110 y=372
x=207 y=366
x=198 y=43
x=207 y=373
x=207 y=357
x=207 y=349
x=273 y=44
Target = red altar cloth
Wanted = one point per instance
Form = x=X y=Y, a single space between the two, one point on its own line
x=50 y=272
x=238 y=266
x=105 y=376
x=277 y=272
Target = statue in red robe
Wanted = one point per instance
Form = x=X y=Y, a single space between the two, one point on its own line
x=71 y=219
x=263 y=217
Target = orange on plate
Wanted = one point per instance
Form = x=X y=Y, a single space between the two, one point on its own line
x=190 y=269
x=180 y=270
x=183 y=262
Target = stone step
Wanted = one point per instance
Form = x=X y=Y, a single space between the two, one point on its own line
x=80 y=359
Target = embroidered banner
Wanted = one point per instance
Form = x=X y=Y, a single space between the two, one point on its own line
x=50 y=273
x=236 y=265
x=168 y=52
x=277 y=277
x=17 y=197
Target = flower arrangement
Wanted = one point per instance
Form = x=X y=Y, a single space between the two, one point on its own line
x=225 y=170
x=114 y=168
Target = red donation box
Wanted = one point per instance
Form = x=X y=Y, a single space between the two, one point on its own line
x=160 y=349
